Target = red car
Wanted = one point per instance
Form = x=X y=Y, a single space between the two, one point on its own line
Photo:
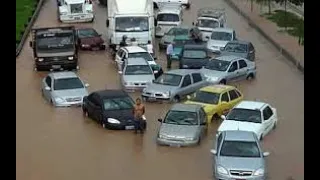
x=89 y=39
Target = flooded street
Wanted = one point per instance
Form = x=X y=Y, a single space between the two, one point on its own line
x=60 y=144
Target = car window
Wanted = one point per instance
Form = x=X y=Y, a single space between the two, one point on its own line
x=225 y=97
x=233 y=67
x=233 y=95
x=267 y=113
x=186 y=81
x=219 y=139
x=196 y=77
x=242 y=64
x=238 y=93
x=48 y=81
x=92 y=98
x=202 y=116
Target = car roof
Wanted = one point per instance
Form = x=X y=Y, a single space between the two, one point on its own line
x=111 y=93
x=218 y=88
x=252 y=105
x=181 y=72
x=239 y=42
x=227 y=58
x=232 y=135
x=134 y=49
x=170 y=11
x=186 y=107
x=137 y=61
x=229 y=30
x=64 y=74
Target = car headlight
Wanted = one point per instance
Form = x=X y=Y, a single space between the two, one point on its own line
x=40 y=59
x=128 y=83
x=190 y=138
x=162 y=136
x=166 y=94
x=85 y=45
x=70 y=58
x=59 y=100
x=113 y=121
x=259 y=172
x=185 y=66
x=222 y=170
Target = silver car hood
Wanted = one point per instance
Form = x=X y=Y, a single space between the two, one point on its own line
x=212 y=42
x=213 y=73
x=160 y=88
x=240 y=163
x=81 y=92
x=178 y=131
x=226 y=53
x=138 y=78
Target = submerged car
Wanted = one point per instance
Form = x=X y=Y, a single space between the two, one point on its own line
x=242 y=49
x=193 y=56
x=172 y=34
x=136 y=74
x=63 y=89
x=216 y=100
x=224 y=69
x=219 y=38
x=71 y=11
x=110 y=108
x=238 y=155
x=178 y=44
x=174 y=85
x=89 y=39
x=257 y=117
x=184 y=125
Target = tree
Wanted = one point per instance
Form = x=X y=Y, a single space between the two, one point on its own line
x=297 y=2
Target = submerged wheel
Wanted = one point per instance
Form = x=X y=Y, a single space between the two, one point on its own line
x=250 y=76
x=176 y=99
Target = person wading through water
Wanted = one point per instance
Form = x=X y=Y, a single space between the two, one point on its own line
x=138 y=113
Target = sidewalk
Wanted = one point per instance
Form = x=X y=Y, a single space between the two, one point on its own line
x=287 y=45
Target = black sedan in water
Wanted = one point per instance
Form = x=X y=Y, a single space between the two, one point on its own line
x=110 y=108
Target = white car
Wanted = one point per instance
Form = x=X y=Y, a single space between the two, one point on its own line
x=257 y=117
x=219 y=39
x=185 y=3
x=71 y=11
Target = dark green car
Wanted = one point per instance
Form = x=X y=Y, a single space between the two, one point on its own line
x=179 y=42
x=172 y=34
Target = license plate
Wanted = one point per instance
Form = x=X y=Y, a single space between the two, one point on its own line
x=129 y=127
x=76 y=18
x=56 y=66
x=152 y=99
x=175 y=145
x=95 y=48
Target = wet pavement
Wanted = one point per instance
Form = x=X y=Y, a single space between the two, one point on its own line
x=60 y=144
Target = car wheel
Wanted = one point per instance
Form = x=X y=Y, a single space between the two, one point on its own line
x=104 y=125
x=176 y=99
x=223 y=81
x=199 y=141
x=85 y=113
x=250 y=76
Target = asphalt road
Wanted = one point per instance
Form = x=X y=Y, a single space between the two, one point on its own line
x=59 y=144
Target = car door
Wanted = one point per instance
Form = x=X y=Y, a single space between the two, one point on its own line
x=47 y=82
x=224 y=107
x=197 y=80
x=251 y=52
x=203 y=119
x=90 y=105
x=186 y=86
x=234 y=98
x=243 y=69
x=268 y=119
x=233 y=71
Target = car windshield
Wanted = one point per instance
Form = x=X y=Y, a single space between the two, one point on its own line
x=208 y=23
x=87 y=33
x=179 y=43
x=76 y=8
x=53 y=41
x=236 y=47
x=240 y=149
x=166 y=17
x=118 y=103
x=194 y=54
x=221 y=36
x=245 y=115
x=181 y=118
x=217 y=65
x=144 y=55
x=205 y=97
x=67 y=84
x=138 y=70
x=178 y=31
x=169 y=79
x=132 y=24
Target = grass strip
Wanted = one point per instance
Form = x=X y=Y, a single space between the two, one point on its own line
x=24 y=10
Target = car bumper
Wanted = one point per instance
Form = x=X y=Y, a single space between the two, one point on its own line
x=150 y=98
x=227 y=177
x=68 y=104
x=176 y=143
x=56 y=65
x=134 y=88
x=129 y=125
x=77 y=18
x=93 y=47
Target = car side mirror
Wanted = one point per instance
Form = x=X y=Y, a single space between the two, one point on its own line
x=107 y=22
x=47 y=88
x=213 y=151
x=30 y=44
x=222 y=49
x=265 y=154
x=86 y=85
x=120 y=72
x=160 y=120
x=223 y=117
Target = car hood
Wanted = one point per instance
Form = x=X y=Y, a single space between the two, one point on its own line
x=194 y=63
x=207 y=107
x=81 y=92
x=138 y=78
x=217 y=43
x=154 y=88
x=167 y=39
x=213 y=73
x=178 y=131
x=237 y=125
x=240 y=163
x=177 y=50
x=123 y=115
x=226 y=53
x=91 y=40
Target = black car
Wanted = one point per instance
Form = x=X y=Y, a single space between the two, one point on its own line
x=110 y=108
x=194 y=56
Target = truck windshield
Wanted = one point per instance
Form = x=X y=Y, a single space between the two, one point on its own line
x=55 y=41
x=132 y=24
x=208 y=23
x=168 y=17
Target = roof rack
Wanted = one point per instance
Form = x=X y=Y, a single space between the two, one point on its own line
x=166 y=5
x=211 y=12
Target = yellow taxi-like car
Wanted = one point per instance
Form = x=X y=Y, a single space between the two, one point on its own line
x=216 y=99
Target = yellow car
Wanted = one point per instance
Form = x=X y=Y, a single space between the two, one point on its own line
x=216 y=99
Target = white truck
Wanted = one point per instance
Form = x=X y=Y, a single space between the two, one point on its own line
x=134 y=19
x=72 y=11
x=210 y=18
x=184 y=3
x=168 y=16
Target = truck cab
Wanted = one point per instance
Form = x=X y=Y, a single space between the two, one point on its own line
x=55 y=48
x=72 y=11
x=208 y=19
x=134 y=19
x=168 y=16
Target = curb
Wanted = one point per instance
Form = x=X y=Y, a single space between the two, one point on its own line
x=28 y=28
x=282 y=51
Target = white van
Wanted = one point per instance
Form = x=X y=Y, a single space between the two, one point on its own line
x=134 y=19
x=168 y=16
x=71 y=11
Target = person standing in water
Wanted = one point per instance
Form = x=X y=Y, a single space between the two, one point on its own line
x=139 y=118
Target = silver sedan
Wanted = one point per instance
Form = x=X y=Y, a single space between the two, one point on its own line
x=63 y=89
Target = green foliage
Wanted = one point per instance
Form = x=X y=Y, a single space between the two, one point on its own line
x=297 y=2
x=24 y=10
